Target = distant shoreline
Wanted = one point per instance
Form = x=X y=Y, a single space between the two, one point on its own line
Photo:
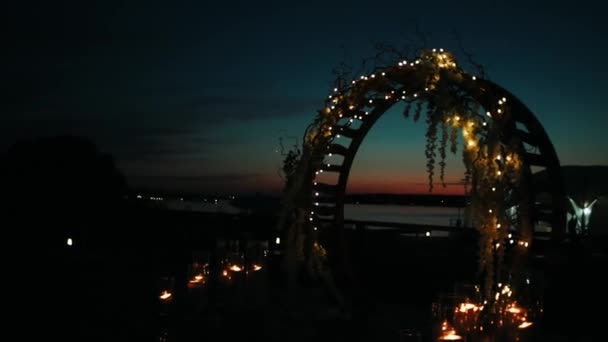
x=408 y=199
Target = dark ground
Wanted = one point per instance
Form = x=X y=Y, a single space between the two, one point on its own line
x=105 y=288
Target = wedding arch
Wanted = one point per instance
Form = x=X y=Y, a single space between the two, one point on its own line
x=504 y=145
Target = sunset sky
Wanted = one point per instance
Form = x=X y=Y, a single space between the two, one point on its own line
x=195 y=95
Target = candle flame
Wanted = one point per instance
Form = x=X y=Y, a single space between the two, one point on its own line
x=524 y=325
x=464 y=307
x=450 y=336
x=514 y=309
x=235 y=268
x=166 y=295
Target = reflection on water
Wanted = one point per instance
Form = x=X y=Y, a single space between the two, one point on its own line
x=439 y=216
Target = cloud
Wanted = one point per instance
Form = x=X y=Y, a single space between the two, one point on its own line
x=251 y=108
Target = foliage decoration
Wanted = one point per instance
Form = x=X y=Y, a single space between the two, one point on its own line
x=454 y=101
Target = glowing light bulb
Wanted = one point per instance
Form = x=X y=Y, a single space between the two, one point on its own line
x=474 y=78
x=69 y=242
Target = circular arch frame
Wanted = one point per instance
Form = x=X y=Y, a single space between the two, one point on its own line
x=535 y=147
x=504 y=145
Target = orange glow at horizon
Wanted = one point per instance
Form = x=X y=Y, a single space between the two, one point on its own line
x=390 y=184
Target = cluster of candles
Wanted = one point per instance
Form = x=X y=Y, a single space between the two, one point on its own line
x=236 y=268
x=466 y=320
x=201 y=277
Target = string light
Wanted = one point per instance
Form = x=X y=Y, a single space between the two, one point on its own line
x=353 y=98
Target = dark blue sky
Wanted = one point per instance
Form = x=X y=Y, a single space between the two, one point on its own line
x=195 y=95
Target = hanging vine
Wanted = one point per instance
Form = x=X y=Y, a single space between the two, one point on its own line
x=451 y=95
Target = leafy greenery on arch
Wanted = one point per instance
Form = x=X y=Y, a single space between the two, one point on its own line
x=434 y=83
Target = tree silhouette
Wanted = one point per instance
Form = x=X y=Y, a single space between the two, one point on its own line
x=60 y=197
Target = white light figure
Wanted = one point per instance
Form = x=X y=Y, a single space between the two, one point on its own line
x=581 y=215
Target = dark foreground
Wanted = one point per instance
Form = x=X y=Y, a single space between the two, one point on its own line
x=106 y=286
